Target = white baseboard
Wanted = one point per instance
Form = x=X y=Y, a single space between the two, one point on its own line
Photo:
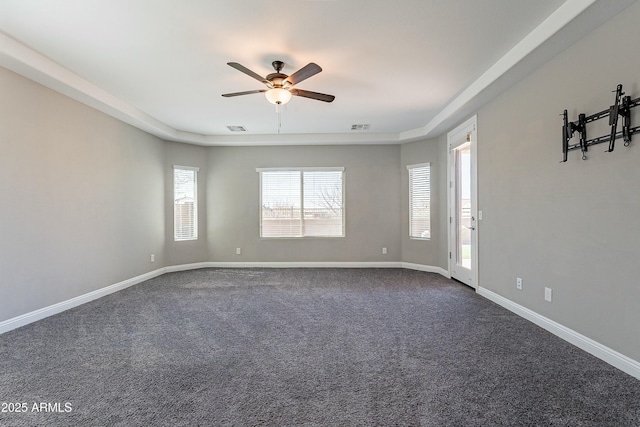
x=185 y=267
x=25 y=319
x=33 y=316
x=328 y=264
x=620 y=361
x=612 y=357
x=364 y=264
x=427 y=268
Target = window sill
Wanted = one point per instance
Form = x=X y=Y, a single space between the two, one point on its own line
x=305 y=238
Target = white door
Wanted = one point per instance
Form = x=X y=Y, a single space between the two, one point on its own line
x=462 y=206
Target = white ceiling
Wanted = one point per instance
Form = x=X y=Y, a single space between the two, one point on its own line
x=409 y=68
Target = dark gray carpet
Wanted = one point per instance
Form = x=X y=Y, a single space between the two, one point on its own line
x=311 y=347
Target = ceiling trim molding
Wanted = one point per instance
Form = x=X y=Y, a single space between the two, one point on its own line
x=550 y=26
x=305 y=139
x=25 y=61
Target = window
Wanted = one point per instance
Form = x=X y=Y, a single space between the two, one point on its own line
x=185 y=203
x=302 y=202
x=420 y=201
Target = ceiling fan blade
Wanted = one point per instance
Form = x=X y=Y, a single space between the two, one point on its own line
x=248 y=72
x=313 y=95
x=247 y=92
x=303 y=73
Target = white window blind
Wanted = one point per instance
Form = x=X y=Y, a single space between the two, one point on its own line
x=185 y=204
x=302 y=202
x=420 y=201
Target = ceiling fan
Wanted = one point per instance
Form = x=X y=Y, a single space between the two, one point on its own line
x=280 y=86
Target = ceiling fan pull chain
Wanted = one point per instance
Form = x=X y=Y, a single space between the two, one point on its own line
x=279 y=111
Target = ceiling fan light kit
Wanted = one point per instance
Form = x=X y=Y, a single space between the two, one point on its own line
x=278 y=96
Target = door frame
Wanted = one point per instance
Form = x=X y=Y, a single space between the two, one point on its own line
x=469 y=127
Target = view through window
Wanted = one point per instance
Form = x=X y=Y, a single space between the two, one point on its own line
x=420 y=201
x=185 y=204
x=304 y=202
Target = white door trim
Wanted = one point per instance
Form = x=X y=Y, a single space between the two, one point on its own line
x=458 y=134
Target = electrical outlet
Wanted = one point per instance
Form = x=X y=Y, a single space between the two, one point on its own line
x=238 y=251
x=547 y=294
x=384 y=251
x=153 y=258
x=519 y=283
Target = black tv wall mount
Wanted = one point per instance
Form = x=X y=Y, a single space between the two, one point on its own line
x=621 y=108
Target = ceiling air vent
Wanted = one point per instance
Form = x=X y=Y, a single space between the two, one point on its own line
x=360 y=127
x=237 y=128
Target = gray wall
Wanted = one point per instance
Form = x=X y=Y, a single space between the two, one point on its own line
x=82 y=198
x=372 y=204
x=572 y=227
x=426 y=252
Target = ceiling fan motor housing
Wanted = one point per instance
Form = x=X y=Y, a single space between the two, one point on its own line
x=277 y=65
x=277 y=79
